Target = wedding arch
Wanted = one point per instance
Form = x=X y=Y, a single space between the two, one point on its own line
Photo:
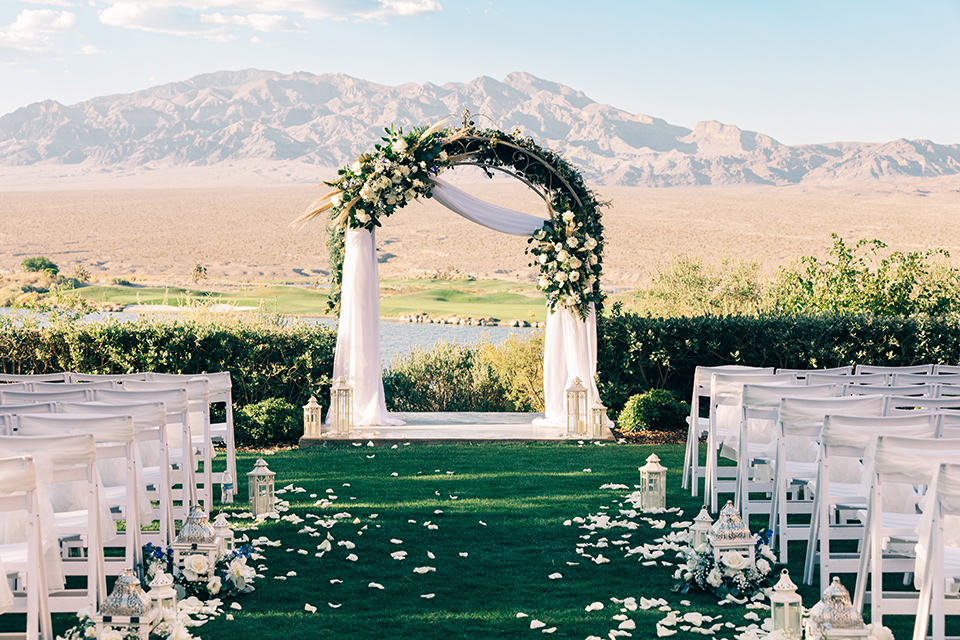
x=567 y=247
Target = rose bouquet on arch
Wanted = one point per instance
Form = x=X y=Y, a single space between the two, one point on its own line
x=731 y=573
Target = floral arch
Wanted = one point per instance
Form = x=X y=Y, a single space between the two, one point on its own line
x=567 y=247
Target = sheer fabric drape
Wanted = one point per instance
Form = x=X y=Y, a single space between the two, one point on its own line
x=570 y=344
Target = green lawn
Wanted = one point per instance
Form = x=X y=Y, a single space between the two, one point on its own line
x=504 y=505
x=437 y=298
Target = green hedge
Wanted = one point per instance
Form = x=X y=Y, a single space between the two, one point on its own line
x=636 y=353
x=266 y=360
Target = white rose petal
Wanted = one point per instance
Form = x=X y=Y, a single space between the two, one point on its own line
x=309 y=608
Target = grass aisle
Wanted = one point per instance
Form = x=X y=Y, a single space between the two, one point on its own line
x=492 y=518
x=489 y=521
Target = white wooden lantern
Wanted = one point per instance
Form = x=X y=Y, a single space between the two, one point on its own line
x=576 y=408
x=260 y=488
x=226 y=488
x=222 y=527
x=312 y=419
x=730 y=534
x=786 y=606
x=598 y=420
x=701 y=529
x=197 y=537
x=834 y=617
x=341 y=407
x=653 y=485
x=162 y=594
x=127 y=609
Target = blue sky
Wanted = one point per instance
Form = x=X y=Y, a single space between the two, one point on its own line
x=801 y=72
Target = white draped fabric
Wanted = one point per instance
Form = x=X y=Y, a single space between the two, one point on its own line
x=570 y=345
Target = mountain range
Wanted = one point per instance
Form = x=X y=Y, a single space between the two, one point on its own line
x=265 y=118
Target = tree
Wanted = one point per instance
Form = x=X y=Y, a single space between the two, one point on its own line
x=39 y=264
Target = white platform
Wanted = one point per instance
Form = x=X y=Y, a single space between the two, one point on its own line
x=454 y=427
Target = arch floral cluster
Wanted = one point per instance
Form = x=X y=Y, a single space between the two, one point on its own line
x=568 y=248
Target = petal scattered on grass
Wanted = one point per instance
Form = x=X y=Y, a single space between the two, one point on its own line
x=555 y=576
x=375 y=585
x=536 y=624
x=309 y=608
x=427 y=596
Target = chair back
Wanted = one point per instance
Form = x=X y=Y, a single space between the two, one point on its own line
x=879 y=379
x=913 y=368
x=105 y=377
x=898 y=404
x=34 y=377
x=31 y=397
x=922 y=390
x=922 y=378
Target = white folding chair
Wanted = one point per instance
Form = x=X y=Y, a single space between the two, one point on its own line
x=878 y=379
x=945 y=369
x=16 y=386
x=920 y=390
x=67 y=470
x=893 y=405
x=836 y=371
x=726 y=394
x=178 y=438
x=30 y=397
x=121 y=487
x=799 y=423
x=922 y=378
x=697 y=426
x=914 y=368
x=9 y=411
x=78 y=378
x=938 y=553
x=150 y=426
x=221 y=391
x=58 y=387
x=24 y=561
x=899 y=464
x=34 y=377
x=198 y=399
x=756 y=440
x=846 y=440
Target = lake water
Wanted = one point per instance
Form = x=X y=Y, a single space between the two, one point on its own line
x=396 y=338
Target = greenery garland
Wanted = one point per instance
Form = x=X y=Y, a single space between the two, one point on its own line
x=568 y=248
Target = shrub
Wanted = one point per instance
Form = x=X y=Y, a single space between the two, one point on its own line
x=268 y=422
x=38 y=264
x=449 y=377
x=517 y=363
x=656 y=409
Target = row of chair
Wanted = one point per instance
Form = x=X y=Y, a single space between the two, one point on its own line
x=821 y=443
x=136 y=448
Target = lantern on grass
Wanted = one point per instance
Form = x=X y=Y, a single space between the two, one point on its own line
x=197 y=547
x=730 y=534
x=341 y=407
x=261 y=489
x=834 y=616
x=312 y=418
x=786 y=606
x=598 y=420
x=701 y=528
x=576 y=408
x=224 y=532
x=162 y=594
x=127 y=609
x=653 y=484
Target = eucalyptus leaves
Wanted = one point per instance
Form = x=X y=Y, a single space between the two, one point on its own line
x=568 y=248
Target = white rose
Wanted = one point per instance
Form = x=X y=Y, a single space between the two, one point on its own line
x=561 y=276
x=83 y=613
x=558 y=247
x=692 y=564
x=336 y=200
x=90 y=632
x=590 y=243
x=399 y=146
x=414 y=168
x=571 y=241
x=734 y=561
x=763 y=567
x=574 y=276
x=196 y=564
x=109 y=633
x=715 y=578
x=356 y=167
x=543 y=283
x=405 y=170
x=575 y=262
x=443 y=156
x=768 y=553
x=568 y=216
x=363 y=217
x=592 y=260
x=214 y=585
x=543 y=258
x=563 y=256
x=878 y=632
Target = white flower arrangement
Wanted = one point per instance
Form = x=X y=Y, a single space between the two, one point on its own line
x=733 y=575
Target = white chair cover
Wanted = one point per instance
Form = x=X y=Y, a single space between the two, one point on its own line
x=17 y=475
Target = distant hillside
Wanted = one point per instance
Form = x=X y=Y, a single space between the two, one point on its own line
x=253 y=117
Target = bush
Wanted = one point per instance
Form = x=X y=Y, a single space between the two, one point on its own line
x=657 y=409
x=38 y=264
x=517 y=363
x=271 y=421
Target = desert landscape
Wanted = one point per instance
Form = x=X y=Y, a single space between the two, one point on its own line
x=244 y=235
